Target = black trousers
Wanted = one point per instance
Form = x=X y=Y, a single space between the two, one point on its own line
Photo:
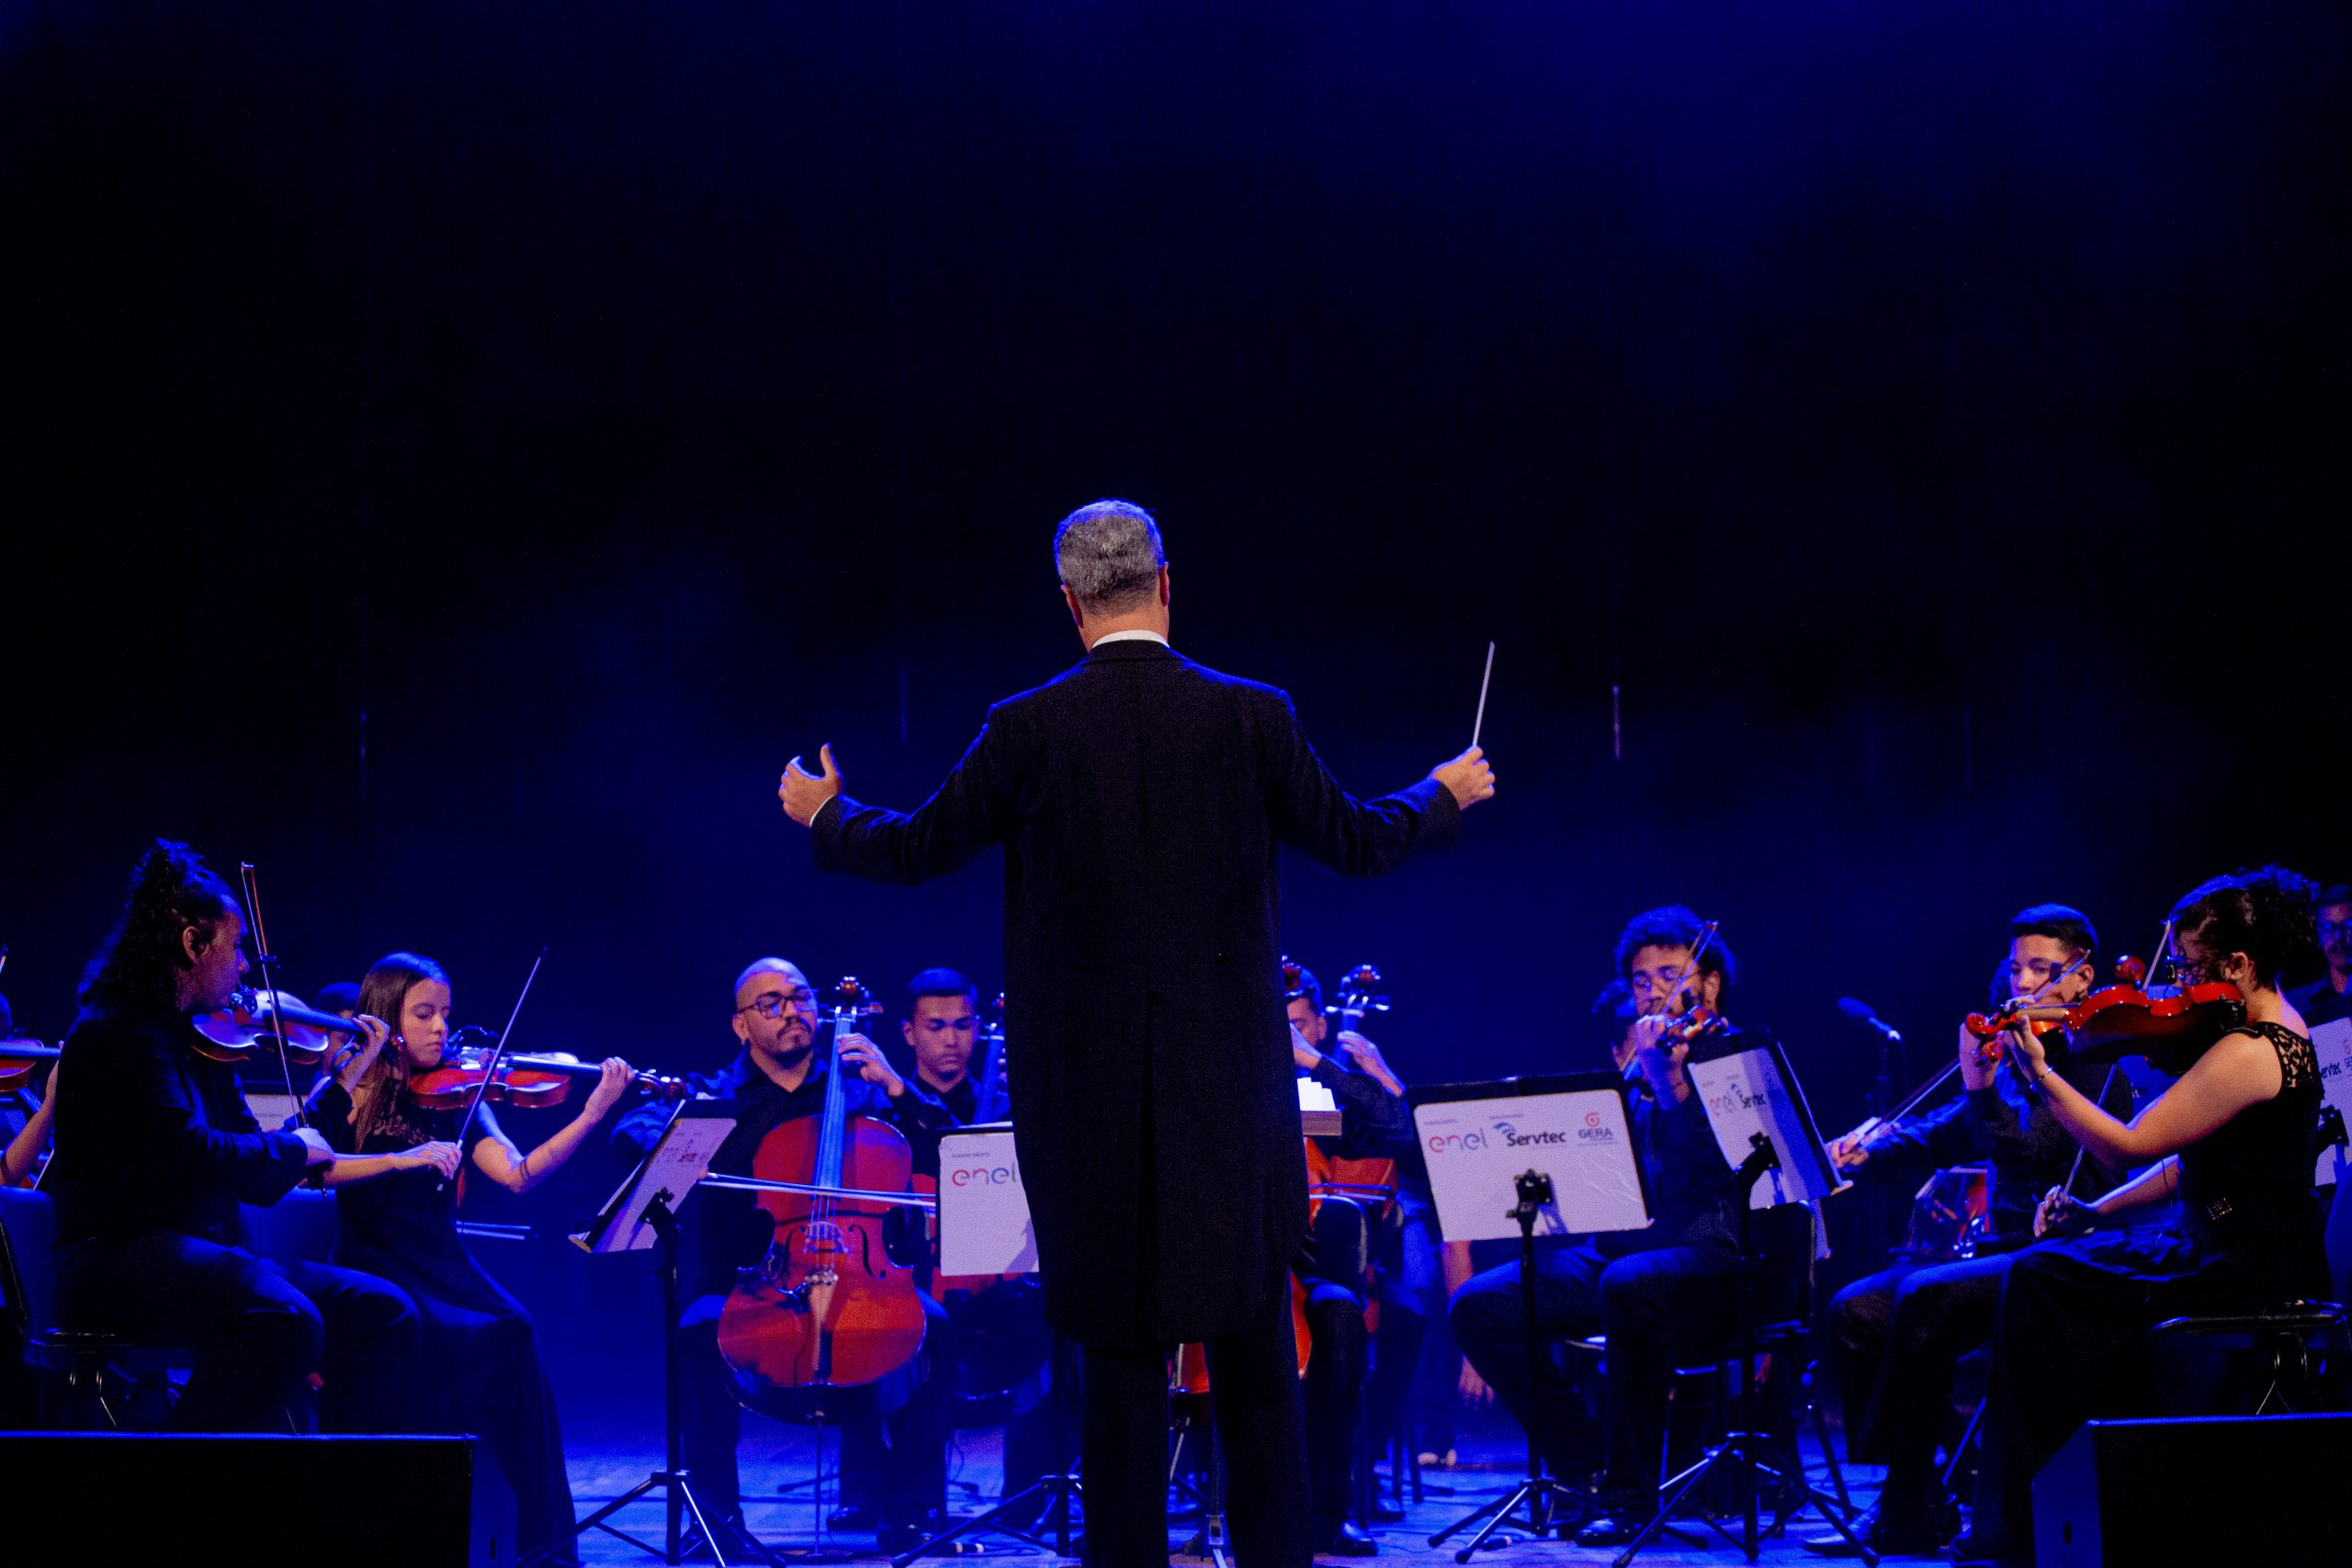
x=894 y=1435
x=1658 y=1307
x=1254 y=1395
x=1894 y=1339
x=257 y=1331
x=2070 y=1344
x=1336 y=1368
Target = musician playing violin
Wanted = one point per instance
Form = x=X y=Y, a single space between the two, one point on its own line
x=482 y=1372
x=1374 y=1125
x=2329 y=997
x=1896 y=1336
x=1663 y=1296
x=777 y=1078
x=155 y=1151
x=2234 y=1140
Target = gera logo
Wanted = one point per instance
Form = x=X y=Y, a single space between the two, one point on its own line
x=983 y=1176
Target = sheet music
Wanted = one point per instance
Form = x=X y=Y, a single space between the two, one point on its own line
x=1477 y=1148
x=677 y=1162
x=984 y=1224
x=2332 y=1044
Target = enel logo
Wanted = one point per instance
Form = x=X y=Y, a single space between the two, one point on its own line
x=990 y=1176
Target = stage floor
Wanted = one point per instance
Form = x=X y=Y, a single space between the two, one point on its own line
x=778 y=1464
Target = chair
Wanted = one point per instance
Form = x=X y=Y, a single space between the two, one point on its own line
x=1784 y=1239
x=89 y=1380
x=2281 y=1344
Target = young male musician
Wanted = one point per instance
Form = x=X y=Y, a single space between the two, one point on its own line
x=2329 y=997
x=778 y=1077
x=1374 y=1126
x=1663 y=1295
x=155 y=1150
x=1894 y=1337
x=942 y=1027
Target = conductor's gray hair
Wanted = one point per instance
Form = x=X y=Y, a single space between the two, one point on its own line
x=1108 y=554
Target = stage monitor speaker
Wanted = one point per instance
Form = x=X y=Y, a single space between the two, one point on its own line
x=2156 y=1493
x=87 y=1499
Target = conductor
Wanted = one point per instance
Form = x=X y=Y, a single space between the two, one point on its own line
x=1140 y=799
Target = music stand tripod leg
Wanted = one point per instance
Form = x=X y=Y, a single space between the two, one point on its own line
x=677 y=1491
x=1542 y=1494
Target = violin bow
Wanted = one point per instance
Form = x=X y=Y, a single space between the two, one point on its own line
x=267 y=964
x=497 y=1053
x=2107 y=1085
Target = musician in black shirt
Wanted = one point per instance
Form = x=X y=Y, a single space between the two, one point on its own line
x=157 y=1150
x=1894 y=1337
x=777 y=1078
x=1374 y=1126
x=942 y=1027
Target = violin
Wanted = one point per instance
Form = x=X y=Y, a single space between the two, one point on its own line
x=826 y=1307
x=2126 y=1020
x=18 y=1058
x=1698 y=1020
x=267 y=1020
x=528 y=1082
x=2025 y=1012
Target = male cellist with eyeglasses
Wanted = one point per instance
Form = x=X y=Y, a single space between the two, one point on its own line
x=893 y=1439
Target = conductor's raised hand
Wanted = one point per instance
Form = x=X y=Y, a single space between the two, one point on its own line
x=803 y=792
x=1467 y=778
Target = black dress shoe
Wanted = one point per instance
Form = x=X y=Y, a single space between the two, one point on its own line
x=855 y=1517
x=1385 y=1512
x=1348 y=1541
x=906 y=1534
x=1975 y=1551
x=1901 y=1533
x=1616 y=1527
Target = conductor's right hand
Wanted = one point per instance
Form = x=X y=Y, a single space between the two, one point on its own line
x=1467 y=778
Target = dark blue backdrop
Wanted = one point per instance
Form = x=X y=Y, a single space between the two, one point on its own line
x=460 y=454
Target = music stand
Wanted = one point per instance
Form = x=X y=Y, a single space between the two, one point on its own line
x=985 y=1228
x=1517 y=1156
x=1757 y=1111
x=644 y=1214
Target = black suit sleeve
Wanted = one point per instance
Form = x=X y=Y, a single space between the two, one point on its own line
x=153 y=1113
x=1953 y=1134
x=972 y=809
x=1355 y=838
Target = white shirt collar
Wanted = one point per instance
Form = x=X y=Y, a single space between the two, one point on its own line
x=1138 y=634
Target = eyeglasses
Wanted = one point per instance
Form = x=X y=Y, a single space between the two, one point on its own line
x=771 y=1004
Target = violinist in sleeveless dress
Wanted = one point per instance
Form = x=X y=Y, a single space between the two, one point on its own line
x=2235 y=1139
x=481 y=1368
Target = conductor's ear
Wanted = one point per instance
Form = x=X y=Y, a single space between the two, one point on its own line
x=1077 y=615
x=1163 y=588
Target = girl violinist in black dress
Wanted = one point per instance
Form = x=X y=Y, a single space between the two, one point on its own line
x=2235 y=1139
x=483 y=1371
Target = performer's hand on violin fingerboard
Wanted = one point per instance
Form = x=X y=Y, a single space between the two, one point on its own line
x=1661 y=1065
x=1467 y=778
x=1975 y=1068
x=804 y=794
x=857 y=1051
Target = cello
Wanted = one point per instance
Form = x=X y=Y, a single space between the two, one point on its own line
x=826 y=1307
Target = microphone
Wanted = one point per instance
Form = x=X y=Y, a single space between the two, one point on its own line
x=1861 y=1013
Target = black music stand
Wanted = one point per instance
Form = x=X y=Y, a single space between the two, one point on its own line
x=643 y=1214
x=987 y=1224
x=1562 y=1146
x=1752 y=1098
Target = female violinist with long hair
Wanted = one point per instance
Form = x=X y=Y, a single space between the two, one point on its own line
x=2234 y=1138
x=483 y=1374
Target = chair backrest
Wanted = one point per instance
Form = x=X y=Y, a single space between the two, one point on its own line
x=298 y=1228
x=1783 y=1238
x=28 y=1268
x=2339 y=1244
